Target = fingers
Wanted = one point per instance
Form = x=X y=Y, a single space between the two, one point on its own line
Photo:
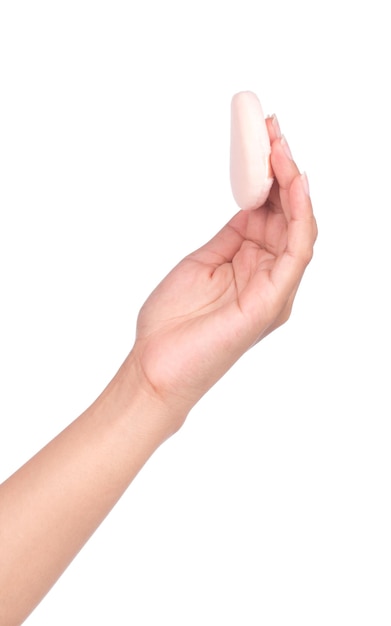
x=293 y=187
x=284 y=167
x=290 y=195
x=301 y=226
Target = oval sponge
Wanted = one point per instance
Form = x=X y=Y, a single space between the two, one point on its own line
x=250 y=170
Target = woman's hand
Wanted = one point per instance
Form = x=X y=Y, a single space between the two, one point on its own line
x=229 y=294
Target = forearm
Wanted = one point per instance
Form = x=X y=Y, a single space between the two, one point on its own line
x=52 y=505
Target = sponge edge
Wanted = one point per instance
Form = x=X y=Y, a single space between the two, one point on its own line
x=250 y=170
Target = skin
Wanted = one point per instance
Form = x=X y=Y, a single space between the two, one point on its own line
x=213 y=306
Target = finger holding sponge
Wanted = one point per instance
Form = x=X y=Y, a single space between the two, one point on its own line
x=250 y=170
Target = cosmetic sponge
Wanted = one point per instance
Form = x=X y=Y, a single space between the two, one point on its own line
x=250 y=170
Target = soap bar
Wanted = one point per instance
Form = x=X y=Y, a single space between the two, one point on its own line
x=250 y=170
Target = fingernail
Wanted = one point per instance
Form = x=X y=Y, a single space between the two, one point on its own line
x=286 y=148
x=304 y=182
x=276 y=125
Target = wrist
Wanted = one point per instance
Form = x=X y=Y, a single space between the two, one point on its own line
x=157 y=415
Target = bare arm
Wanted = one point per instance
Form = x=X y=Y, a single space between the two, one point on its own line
x=212 y=307
x=52 y=505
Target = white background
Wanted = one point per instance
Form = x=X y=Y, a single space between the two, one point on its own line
x=272 y=505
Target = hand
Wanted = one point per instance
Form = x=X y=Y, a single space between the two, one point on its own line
x=226 y=296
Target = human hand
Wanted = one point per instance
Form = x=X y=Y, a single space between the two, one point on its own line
x=229 y=294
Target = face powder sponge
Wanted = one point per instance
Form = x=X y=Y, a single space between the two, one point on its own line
x=250 y=171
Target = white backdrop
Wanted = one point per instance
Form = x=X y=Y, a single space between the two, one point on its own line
x=272 y=505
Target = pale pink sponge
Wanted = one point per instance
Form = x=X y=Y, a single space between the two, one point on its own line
x=251 y=173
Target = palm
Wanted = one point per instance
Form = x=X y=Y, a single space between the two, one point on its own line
x=220 y=275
